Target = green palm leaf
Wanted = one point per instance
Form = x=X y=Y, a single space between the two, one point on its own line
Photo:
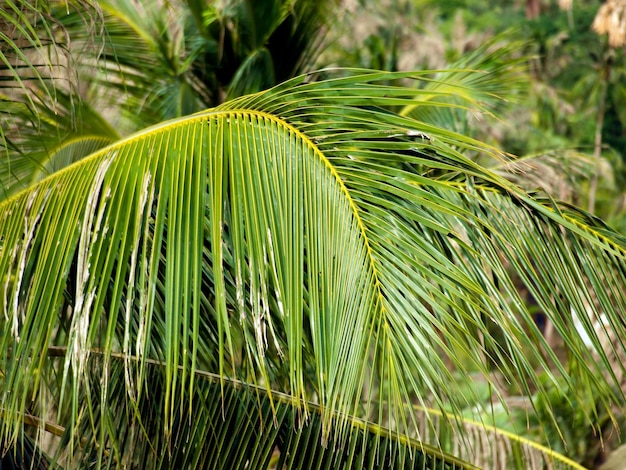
x=304 y=240
x=235 y=425
x=37 y=147
x=479 y=83
x=97 y=70
x=489 y=447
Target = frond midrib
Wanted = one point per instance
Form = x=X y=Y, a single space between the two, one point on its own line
x=198 y=117
x=291 y=400
x=510 y=435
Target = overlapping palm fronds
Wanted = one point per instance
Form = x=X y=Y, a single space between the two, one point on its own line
x=82 y=73
x=45 y=122
x=304 y=240
x=483 y=80
x=489 y=447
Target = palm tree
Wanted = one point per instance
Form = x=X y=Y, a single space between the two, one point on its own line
x=78 y=75
x=289 y=279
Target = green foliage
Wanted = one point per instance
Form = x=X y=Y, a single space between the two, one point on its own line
x=127 y=65
x=235 y=425
x=215 y=243
x=573 y=75
x=333 y=252
x=571 y=434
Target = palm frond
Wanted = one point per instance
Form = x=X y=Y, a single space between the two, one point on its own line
x=479 y=84
x=487 y=446
x=305 y=240
x=71 y=70
x=233 y=425
x=43 y=115
x=35 y=147
x=555 y=172
x=25 y=38
x=239 y=425
x=23 y=453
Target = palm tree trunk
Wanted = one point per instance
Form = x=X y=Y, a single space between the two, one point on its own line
x=533 y=8
x=597 y=143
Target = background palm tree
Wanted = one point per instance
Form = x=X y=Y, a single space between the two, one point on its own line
x=283 y=277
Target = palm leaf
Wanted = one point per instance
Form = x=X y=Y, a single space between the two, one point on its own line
x=23 y=454
x=37 y=147
x=479 y=83
x=302 y=239
x=488 y=446
x=45 y=122
x=239 y=425
x=555 y=172
x=234 y=425
x=24 y=39
x=70 y=70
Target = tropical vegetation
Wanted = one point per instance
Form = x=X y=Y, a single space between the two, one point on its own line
x=214 y=255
